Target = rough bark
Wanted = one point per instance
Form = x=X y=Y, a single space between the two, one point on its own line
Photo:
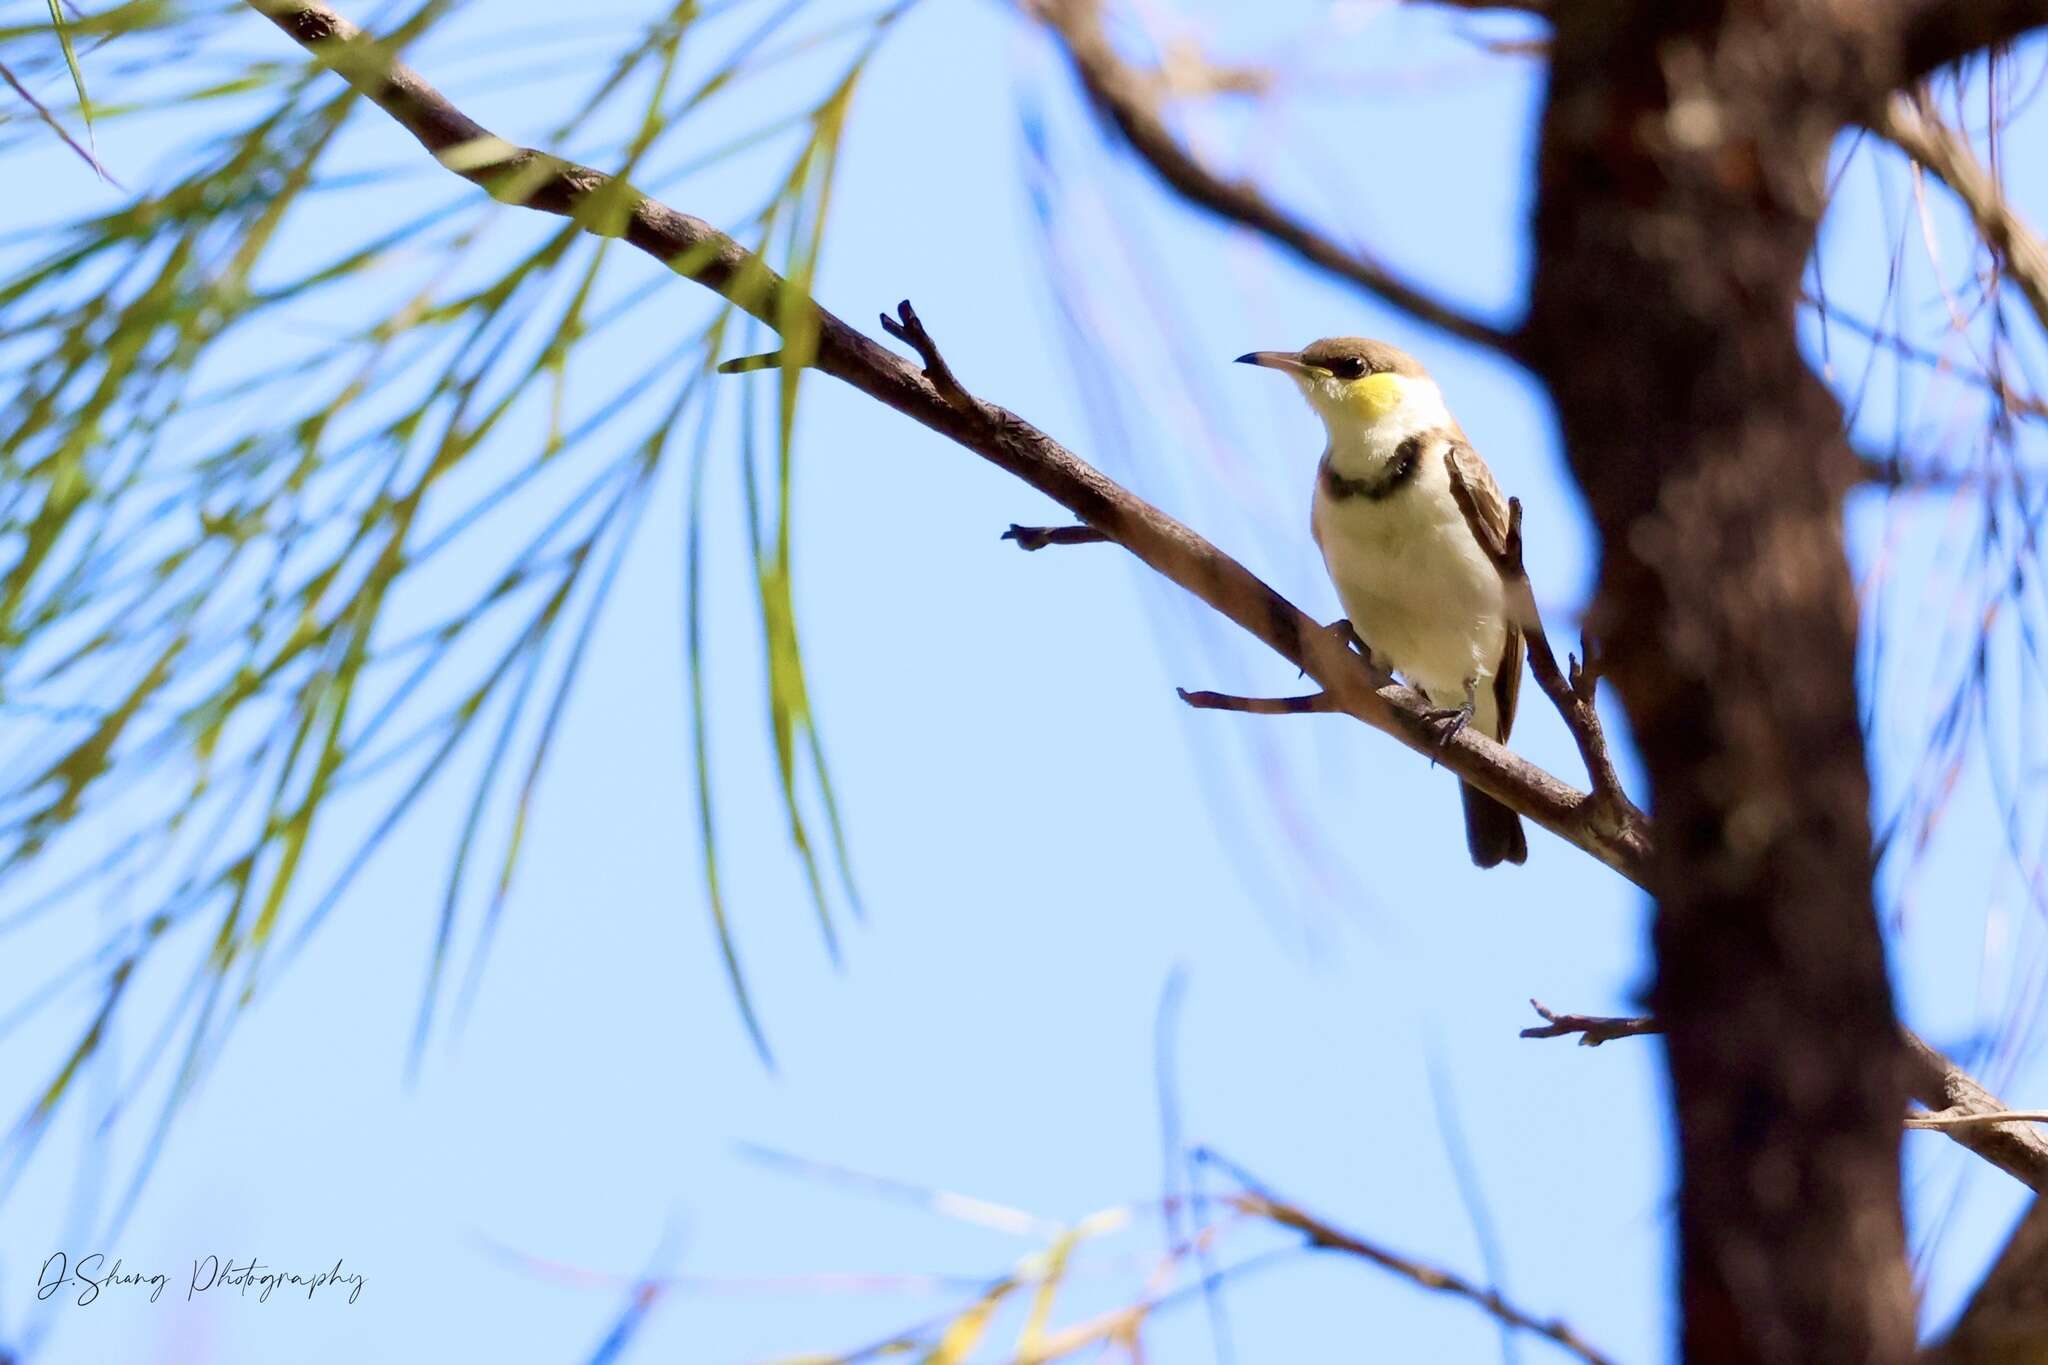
x=1682 y=155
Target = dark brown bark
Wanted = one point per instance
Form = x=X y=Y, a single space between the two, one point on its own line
x=1680 y=189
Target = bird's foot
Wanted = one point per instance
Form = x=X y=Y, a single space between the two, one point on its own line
x=1449 y=720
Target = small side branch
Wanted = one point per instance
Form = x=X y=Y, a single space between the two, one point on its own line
x=1038 y=537
x=747 y=364
x=1572 y=693
x=1963 y=1118
x=1313 y=703
x=1593 y=1029
x=908 y=328
x=2018 y=1149
x=1960 y=1107
x=1936 y=32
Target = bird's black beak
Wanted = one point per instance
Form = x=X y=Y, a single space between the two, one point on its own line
x=1290 y=361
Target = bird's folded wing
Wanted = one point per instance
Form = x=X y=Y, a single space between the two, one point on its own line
x=1464 y=463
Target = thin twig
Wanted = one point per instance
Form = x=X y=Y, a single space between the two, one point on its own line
x=1261 y=1202
x=1038 y=537
x=1312 y=704
x=908 y=328
x=747 y=364
x=1963 y=1118
x=1593 y=1029
x=1573 y=695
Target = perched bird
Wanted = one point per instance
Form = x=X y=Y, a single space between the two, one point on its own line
x=1421 y=594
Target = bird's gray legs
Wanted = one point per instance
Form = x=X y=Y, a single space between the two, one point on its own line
x=1451 y=719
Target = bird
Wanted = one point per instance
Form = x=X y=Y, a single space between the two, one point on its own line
x=1420 y=593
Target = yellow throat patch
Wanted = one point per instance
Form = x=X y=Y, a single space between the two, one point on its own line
x=1374 y=396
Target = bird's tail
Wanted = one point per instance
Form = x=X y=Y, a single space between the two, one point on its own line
x=1493 y=833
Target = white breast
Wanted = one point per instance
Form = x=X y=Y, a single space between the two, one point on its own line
x=1416 y=586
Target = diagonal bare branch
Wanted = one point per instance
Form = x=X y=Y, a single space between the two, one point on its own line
x=697 y=250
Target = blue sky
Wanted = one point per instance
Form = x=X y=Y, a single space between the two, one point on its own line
x=1042 y=835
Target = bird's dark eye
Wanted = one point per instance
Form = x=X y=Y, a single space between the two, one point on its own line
x=1347 y=367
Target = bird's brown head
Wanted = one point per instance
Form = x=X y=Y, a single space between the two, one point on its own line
x=1350 y=377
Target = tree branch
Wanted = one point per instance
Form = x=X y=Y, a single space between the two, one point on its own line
x=2019 y=1150
x=1130 y=99
x=1937 y=33
x=695 y=249
x=1965 y=1110
x=1949 y=1119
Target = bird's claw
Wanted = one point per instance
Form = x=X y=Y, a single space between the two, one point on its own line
x=1449 y=720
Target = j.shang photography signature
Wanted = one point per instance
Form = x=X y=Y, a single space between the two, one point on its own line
x=95 y=1274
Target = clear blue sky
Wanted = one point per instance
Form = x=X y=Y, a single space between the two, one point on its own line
x=1042 y=834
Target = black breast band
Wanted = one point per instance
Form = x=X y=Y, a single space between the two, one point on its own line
x=1399 y=472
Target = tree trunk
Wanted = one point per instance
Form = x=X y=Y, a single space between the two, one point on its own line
x=1681 y=182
